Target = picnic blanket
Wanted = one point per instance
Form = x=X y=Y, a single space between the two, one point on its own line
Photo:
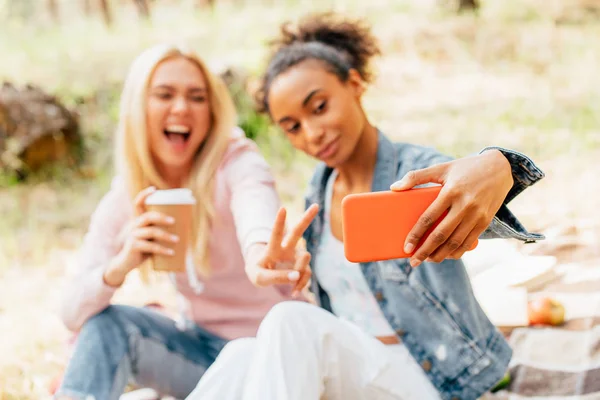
x=562 y=362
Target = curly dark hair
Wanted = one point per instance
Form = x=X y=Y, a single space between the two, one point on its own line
x=339 y=43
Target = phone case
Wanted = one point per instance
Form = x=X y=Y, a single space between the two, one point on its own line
x=375 y=225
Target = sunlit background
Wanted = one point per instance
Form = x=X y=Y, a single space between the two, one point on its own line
x=516 y=73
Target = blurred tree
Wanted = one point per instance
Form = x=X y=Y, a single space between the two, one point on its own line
x=468 y=5
x=53 y=9
x=143 y=8
x=87 y=8
x=106 y=14
x=204 y=3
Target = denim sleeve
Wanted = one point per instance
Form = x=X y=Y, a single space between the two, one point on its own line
x=525 y=173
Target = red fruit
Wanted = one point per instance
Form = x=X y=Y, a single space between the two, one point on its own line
x=545 y=311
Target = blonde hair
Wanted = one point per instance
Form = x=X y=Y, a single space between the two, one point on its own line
x=134 y=162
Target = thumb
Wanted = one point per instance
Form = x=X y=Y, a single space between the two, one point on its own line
x=433 y=174
x=140 y=199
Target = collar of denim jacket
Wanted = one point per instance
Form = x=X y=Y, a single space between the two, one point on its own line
x=386 y=165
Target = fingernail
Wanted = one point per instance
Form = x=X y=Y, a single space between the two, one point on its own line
x=295 y=294
x=170 y=220
x=397 y=185
x=408 y=248
x=175 y=238
x=294 y=276
x=171 y=251
x=415 y=263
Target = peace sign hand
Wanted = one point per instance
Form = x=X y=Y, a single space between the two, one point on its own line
x=279 y=261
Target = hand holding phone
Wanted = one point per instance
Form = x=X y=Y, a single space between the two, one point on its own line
x=375 y=225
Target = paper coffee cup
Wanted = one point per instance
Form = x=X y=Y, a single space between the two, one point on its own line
x=176 y=203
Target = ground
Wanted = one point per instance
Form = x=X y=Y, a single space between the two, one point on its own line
x=522 y=75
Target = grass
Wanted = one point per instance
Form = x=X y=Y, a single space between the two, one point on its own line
x=523 y=74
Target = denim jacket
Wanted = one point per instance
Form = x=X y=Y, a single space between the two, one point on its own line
x=432 y=307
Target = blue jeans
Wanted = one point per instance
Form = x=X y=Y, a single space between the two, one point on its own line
x=123 y=344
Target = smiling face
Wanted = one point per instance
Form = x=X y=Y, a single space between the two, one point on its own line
x=177 y=113
x=320 y=114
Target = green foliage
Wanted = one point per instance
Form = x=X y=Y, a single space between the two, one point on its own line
x=250 y=120
x=8 y=178
x=258 y=126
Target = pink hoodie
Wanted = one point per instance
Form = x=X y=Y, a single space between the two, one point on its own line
x=229 y=305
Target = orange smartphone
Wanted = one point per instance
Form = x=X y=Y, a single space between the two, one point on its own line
x=375 y=225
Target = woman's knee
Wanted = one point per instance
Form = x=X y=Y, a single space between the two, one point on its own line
x=238 y=348
x=293 y=314
x=106 y=324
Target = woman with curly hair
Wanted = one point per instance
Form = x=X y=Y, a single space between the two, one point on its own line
x=397 y=329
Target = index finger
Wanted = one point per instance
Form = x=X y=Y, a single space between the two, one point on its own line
x=140 y=199
x=425 y=222
x=301 y=226
x=154 y=218
x=446 y=235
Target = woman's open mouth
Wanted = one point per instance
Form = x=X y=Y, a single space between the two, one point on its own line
x=177 y=136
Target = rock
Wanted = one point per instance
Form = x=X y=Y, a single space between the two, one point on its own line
x=35 y=130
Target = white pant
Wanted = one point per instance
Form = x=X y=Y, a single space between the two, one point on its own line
x=302 y=352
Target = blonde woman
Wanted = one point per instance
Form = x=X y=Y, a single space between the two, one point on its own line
x=176 y=129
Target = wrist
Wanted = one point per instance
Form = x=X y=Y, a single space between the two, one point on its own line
x=255 y=252
x=114 y=274
x=503 y=164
